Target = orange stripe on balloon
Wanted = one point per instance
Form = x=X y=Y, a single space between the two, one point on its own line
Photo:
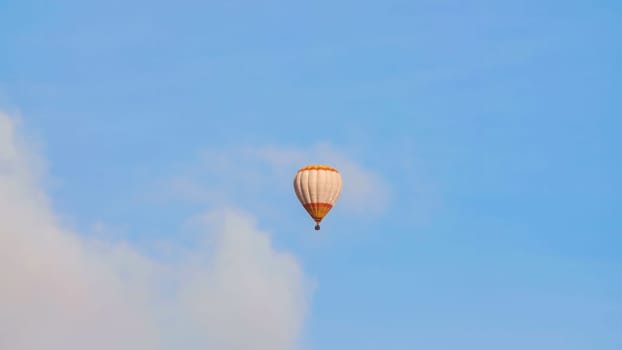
x=318 y=205
x=318 y=167
x=318 y=210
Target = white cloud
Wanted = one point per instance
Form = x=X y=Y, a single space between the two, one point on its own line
x=62 y=290
x=248 y=286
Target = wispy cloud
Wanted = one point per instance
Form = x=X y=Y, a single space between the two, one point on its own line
x=221 y=174
x=64 y=290
x=365 y=191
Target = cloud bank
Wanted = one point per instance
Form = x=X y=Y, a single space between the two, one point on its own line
x=64 y=290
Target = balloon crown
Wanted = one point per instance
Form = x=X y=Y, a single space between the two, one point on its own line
x=318 y=167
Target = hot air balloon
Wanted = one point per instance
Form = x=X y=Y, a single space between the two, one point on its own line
x=317 y=187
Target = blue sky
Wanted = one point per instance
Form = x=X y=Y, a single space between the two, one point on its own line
x=487 y=131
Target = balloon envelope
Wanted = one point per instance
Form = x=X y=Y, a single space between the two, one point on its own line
x=317 y=187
